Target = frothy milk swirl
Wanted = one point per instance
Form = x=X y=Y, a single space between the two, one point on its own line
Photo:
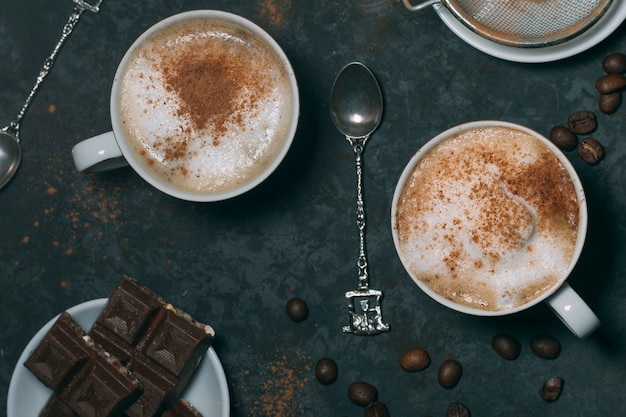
x=208 y=105
x=488 y=219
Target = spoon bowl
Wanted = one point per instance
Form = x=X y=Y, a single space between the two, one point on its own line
x=10 y=157
x=356 y=103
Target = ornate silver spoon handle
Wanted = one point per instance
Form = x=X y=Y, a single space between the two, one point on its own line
x=364 y=303
x=79 y=9
x=358 y=146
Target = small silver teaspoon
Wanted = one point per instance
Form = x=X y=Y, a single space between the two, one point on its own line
x=10 y=150
x=356 y=107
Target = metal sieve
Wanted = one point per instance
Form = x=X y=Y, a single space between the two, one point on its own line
x=523 y=23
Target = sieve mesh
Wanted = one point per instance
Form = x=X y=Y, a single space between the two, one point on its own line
x=528 y=23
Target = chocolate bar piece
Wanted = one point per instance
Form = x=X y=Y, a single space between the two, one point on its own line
x=55 y=407
x=158 y=388
x=177 y=342
x=103 y=388
x=129 y=310
x=111 y=343
x=182 y=408
x=60 y=354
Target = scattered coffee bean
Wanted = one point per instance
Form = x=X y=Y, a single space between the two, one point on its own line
x=414 y=360
x=450 y=373
x=546 y=347
x=376 y=409
x=361 y=393
x=326 y=371
x=297 y=309
x=610 y=83
x=582 y=122
x=563 y=138
x=590 y=150
x=614 y=63
x=551 y=389
x=457 y=410
x=609 y=103
x=506 y=346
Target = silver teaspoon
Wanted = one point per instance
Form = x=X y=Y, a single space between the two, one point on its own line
x=10 y=150
x=356 y=107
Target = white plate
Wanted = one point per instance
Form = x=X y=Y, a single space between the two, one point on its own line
x=207 y=391
x=606 y=25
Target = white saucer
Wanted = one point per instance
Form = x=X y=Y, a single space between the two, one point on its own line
x=606 y=25
x=207 y=391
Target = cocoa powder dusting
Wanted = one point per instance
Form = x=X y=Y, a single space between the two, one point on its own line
x=284 y=383
x=215 y=87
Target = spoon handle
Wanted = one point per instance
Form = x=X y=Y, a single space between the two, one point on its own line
x=358 y=145
x=79 y=9
x=364 y=303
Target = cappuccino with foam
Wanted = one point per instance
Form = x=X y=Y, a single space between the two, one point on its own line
x=206 y=105
x=488 y=218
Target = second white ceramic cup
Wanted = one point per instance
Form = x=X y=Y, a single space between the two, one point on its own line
x=562 y=299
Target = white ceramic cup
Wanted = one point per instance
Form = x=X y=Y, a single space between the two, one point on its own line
x=112 y=149
x=561 y=298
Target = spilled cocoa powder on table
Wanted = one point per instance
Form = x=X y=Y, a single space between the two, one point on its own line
x=284 y=384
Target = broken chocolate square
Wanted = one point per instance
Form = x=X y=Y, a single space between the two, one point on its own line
x=158 y=388
x=182 y=409
x=55 y=407
x=129 y=309
x=111 y=343
x=103 y=388
x=176 y=341
x=60 y=354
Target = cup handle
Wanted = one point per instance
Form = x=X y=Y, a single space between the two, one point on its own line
x=573 y=311
x=99 y=153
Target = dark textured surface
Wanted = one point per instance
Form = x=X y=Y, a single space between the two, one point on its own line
x=67 y=237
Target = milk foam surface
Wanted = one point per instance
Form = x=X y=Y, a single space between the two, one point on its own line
x=172 y=127
x=488 y=219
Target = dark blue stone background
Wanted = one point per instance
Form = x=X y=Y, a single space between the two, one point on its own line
x=67 y=237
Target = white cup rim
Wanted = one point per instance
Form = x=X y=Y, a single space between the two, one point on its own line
x=138 y=165
x=582 y=218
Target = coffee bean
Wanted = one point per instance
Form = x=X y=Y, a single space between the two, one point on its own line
x=361 y=393
x=609 y=103
x=610 y=83
x=376 y=409
x=546 y=347
x=551 y=389
x=297 y=309
x=326 y=371
x=590 y=150
x=414 y=360
x=457 y=410
x=614 y=63
x=563 y=138
x=582 y=122
x=506 y=346
x=450 y=373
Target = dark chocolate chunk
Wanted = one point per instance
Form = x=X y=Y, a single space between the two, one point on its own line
x=56 y=407
x=111 y=343
x=182 y=409
x=177 y=342
x=129 y=310
x=60 y=354
x=158 y=388
x=103 y=388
